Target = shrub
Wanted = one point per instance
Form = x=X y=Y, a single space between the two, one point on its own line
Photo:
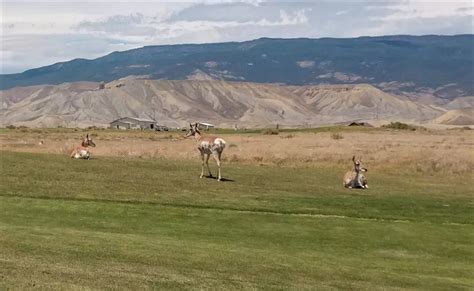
x=258 y=159
x=234 y=159
x=11 y=126
x=400 y=125
x=23 y=128
x=270 y=131
x=336 y=136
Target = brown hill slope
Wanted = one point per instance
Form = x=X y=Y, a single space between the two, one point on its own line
x=457 y=117
x=174 y=103
x=362 y=101
x=460 y=103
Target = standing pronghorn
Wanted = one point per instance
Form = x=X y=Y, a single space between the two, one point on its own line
x=82 y=152
x=354 y=178
x=207 y=146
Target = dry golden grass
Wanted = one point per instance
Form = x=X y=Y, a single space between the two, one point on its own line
x=440 y=151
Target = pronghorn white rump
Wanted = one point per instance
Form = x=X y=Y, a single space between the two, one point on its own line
x=355 y=178
x=207 y=146
x=82 y=152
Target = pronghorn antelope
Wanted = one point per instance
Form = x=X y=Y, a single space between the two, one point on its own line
x=207 y=146
x=354 y=178
x=82 y=152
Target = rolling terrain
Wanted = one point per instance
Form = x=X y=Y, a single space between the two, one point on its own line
x=362 y=101
x=175 y=103
x=463 y=116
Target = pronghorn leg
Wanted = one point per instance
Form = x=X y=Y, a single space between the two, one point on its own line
x=218 y=161
x=202 y=165
x=73 y=154
x=207 y=164
x=355 y=182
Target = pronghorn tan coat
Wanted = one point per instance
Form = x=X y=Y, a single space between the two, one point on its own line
x=355 y=178
x=82 y=152
x=207 y=146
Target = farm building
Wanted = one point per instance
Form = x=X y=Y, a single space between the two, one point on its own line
x=205 y=125
x=133 y=123
x=359 y=123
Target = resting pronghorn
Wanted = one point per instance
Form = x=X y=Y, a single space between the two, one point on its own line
x=354 y=178
x=207 y=146
x=82 y=152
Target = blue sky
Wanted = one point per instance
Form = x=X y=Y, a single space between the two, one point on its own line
x=38 y=33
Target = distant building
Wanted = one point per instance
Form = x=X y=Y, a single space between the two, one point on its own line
x=205 y=125
x=133 y=123
x=359 y=123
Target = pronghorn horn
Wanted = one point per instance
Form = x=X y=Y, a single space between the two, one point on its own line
x=353 y=158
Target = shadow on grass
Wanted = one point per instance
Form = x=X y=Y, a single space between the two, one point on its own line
x=222 y=179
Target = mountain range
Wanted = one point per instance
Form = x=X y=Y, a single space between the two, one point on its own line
x=292 y=82
x=438 y=66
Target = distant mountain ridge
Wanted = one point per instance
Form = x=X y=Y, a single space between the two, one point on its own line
x=438 y=65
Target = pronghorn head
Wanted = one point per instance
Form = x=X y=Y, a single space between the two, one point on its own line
x=193 y=129
x=87 y=142
x=357 y=164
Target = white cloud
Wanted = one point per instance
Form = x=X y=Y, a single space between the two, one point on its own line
x=342 y=12
x=422 y=9
x=149 y=29
x=37 y=50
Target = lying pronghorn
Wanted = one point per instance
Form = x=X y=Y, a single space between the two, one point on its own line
x=207 y=146
x=354 y=178
x=82 y=152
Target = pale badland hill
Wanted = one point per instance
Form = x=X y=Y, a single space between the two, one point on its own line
x=463 y=116
x=175 y=103
x=460 y=103
x=362 y=101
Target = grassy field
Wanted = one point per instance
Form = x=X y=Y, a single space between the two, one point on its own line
x=125 y=222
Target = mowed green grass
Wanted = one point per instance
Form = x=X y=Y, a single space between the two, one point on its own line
x=132 y=223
